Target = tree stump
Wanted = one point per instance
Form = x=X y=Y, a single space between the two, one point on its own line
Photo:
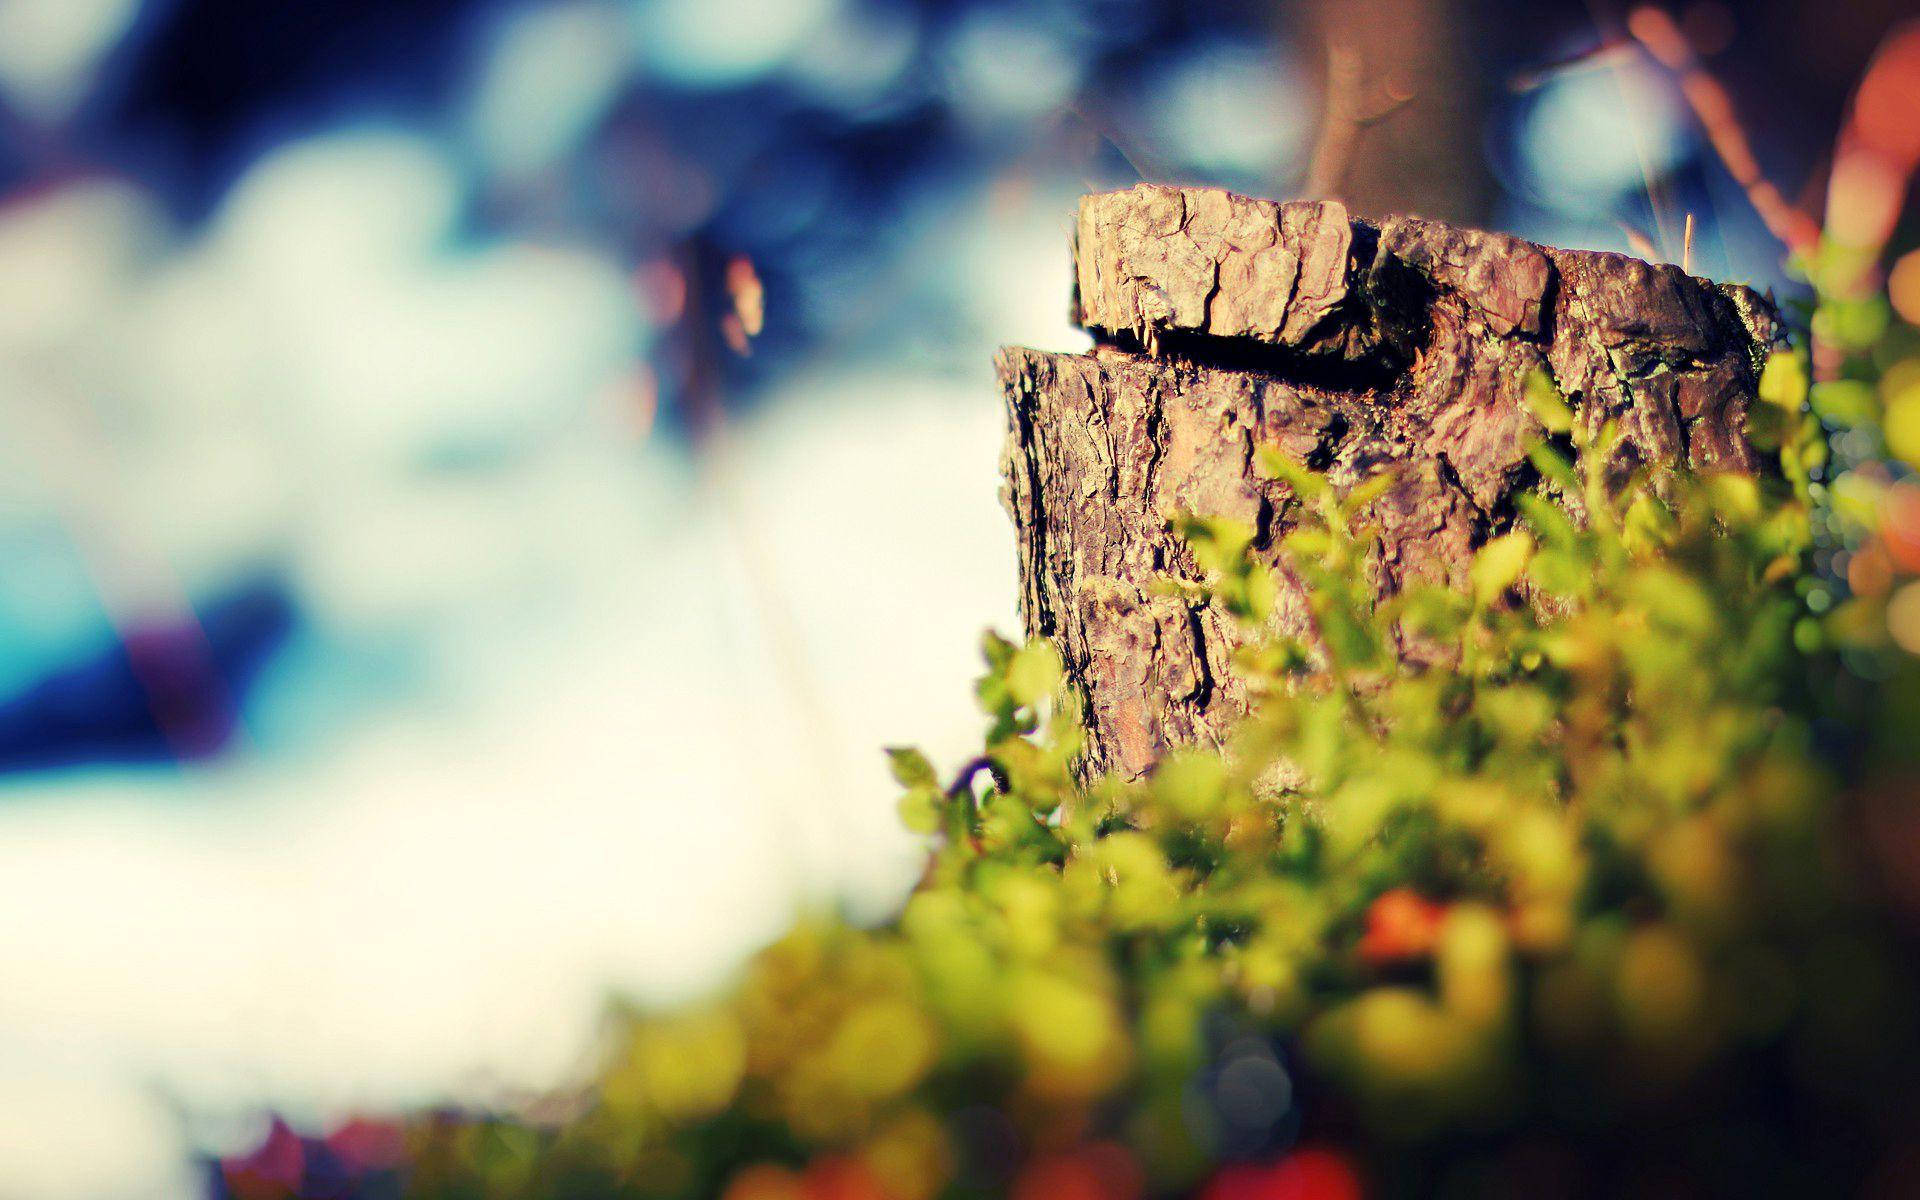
x=1222 y=323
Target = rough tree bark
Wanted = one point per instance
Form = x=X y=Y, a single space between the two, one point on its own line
x=1222 y=323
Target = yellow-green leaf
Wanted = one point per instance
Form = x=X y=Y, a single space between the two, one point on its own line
x=1499 y=564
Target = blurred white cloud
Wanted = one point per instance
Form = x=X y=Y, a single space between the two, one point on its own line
x=67 y=1131
x=297 y=372
x=853 y=60
x=437 y=902
x=1598 y=130
x=644 y=703
x=1229 y=108
x=1007 y=68
x=314 y=218
x=554 y=70
x=71 y=264
x=718 y=43
x=67 y=259
x=49 y=49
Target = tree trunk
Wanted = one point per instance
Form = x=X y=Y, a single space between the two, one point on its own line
x=1223 y=323
x=1426 y=154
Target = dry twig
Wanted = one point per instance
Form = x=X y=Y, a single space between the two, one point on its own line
x=1668 y=45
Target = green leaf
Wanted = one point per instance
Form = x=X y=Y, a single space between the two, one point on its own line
x=1262 y=594
x=910 y=767
x=1191 y=783
x=1548 y=404
x=1735 y=497
x=1844 y=403
x=1368 y=490
x=1270 y=462
x=1560 y=571
x=1554 y=468
x=920 y=809
x=1499 y=564
x=998 y=651
x=1647 y=524
x=1035 y=673
x=1219 y=544
x=1548 y=520
x=1783 y=383
x=1903 y=424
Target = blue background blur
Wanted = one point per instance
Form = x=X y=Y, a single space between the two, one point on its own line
x=482 y=479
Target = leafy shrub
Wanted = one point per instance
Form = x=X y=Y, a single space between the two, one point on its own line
x=1618 y=899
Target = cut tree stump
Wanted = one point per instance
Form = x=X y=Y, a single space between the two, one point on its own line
x=1222 y=323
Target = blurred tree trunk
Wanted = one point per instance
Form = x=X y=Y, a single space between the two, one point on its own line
x=1224 y=324
x=1426 y=154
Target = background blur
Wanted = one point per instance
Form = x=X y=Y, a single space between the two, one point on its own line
x=481 y=480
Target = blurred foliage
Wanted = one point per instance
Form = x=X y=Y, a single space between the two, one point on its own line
x=1617 y=898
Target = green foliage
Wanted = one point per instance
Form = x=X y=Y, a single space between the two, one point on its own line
x=1590 y=888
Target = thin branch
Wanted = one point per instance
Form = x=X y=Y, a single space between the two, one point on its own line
x=1640 y=243
x=1605 y=55
x=963 y=782
x=1713 y=107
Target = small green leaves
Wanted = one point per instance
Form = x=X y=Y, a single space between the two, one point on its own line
x=921 y=809
x=1735 y=497
x=1647 y=525
x=1034 y=674
x=1783 y=382
x=1903 y=423
x=1844 y=403
x=1564 y=826
x=1554 y=468
x=1499 y=564
x=1854 y=322
x=1367 y=491
x=1219 y=543
x=1548 y=405
x=1272 y=463
x=910 y=767
x=1192 y=784
x=1019 y=683
x=1435 y=613
x=1244 y=587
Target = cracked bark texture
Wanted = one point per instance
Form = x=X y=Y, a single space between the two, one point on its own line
x=1222 y=323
